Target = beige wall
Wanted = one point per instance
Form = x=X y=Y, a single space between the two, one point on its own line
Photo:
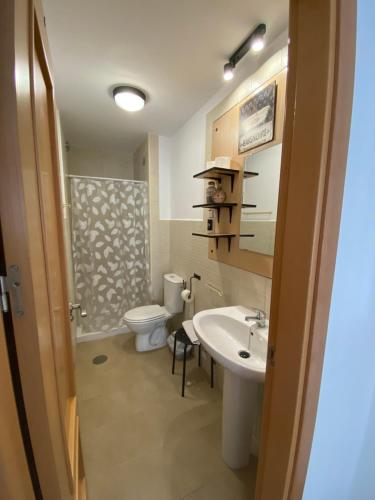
x=98 y=163
x=140 y=162
x=188 y=255
x=146 y=168
x=173 y=248
x=159 y=229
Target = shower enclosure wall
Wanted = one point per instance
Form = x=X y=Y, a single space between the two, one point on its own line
x=110 y=250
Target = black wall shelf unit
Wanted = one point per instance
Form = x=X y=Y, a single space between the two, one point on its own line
x=216 y=173
x=217 y=237
x=218 y=206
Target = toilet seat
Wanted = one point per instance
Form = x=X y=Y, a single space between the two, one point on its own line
x=145 y=314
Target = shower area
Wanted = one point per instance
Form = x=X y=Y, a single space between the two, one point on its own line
x=110 y=251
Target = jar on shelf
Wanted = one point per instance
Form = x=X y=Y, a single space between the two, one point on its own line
x=219 y=195
x=211 y=188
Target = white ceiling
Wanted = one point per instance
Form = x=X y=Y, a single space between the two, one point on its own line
x=174 y=50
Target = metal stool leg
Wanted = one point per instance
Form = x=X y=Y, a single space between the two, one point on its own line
x=183 y=372
x=174 y=354
x=212 y=372
x=199 y=355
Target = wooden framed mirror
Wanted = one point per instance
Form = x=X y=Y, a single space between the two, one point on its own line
x=223 y=126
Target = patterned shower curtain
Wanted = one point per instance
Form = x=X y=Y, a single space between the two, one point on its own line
x=110 y=246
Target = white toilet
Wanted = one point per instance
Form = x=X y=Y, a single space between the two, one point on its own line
x=148 y=322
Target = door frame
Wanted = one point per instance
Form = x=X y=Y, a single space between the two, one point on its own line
x=23 y=245
x=319 y=93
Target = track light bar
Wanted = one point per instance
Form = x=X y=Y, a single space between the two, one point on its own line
x=254 y=41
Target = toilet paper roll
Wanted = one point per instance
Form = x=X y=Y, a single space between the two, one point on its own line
x=185 y=296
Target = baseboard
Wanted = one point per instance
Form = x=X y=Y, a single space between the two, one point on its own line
x=87 y=337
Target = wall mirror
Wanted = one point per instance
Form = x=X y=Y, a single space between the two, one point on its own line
x=261 y=190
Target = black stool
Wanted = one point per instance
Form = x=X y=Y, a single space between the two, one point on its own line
x=181 y=336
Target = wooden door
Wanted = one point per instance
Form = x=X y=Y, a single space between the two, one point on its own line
x=15 y=481
x=48 y=189
x=33 y=243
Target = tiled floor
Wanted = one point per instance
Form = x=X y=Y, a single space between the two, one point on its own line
x=141 y=440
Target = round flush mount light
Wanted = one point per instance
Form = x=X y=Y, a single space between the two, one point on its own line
x=129 y=98
x=228 y=71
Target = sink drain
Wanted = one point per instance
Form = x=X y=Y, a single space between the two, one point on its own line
x=101 y=358
x=244 y=354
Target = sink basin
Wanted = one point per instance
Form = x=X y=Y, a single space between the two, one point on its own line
x=241 y=348
x=225 y=334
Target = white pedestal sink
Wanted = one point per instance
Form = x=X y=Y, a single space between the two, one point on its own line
x=227 y=337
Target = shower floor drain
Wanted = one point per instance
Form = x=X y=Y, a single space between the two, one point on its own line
x=101 y=358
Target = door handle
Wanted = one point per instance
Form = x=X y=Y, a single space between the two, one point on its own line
x=73 y=307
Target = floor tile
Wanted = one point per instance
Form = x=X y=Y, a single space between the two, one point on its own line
x=140 y=438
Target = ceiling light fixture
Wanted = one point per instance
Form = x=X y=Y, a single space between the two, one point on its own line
x=129 y=98
x=228 y=71
x=255 y=42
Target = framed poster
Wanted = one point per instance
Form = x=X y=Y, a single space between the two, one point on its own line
x=257 y=119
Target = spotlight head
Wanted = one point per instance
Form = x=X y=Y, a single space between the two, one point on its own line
x=257 y=38
x=257 y=44
x=228 y=71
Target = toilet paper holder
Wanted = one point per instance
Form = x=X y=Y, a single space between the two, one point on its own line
x=195 y=276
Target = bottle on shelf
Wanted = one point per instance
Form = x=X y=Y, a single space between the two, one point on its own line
x=211 y=188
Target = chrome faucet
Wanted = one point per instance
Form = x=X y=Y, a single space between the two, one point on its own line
x=260 y=318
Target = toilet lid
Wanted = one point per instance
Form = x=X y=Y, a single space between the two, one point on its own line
x=145 y=313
